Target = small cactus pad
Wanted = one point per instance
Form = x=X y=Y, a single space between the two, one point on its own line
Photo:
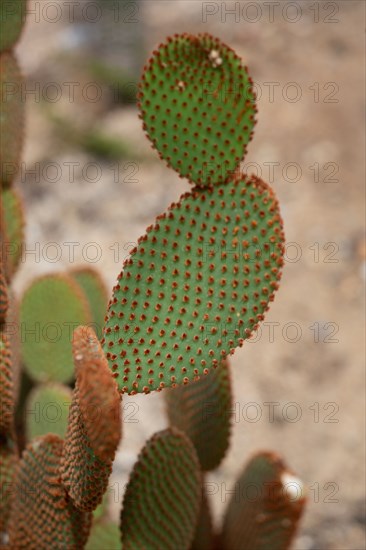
x=47 y=410
x=84 y=475
x=204 y=538
x=104 y=535
x=94 y=424
x=12 y=17
x=96 y=293
x=42 y=516
x=162 y=499
x=198 y=107
x=100 y=402
x=202 y=410
x=196 y=286
x=51 y=308
x=265 y=509
x=8 y=462
x=4 y=302
x=6 y=387
x=11 y=231
x=12 y=116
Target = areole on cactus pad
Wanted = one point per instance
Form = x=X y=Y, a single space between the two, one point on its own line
x=196 y=286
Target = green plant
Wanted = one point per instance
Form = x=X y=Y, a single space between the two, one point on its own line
x=198 y=283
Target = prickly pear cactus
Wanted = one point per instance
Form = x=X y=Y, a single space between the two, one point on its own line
x=94 y=427
x=91 y=283
x=51 y=308
x=265 y=508
x=12 y=17
x=162 y=499
x=202 y=410
x=198 y=284
x=12 y=116
x=42 y=516
x=198 y=107
x=47 y=410
x=11 y=230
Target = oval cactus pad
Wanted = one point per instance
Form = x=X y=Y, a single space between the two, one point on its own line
x=51 y=308
x=198 y=107
x=196 y=286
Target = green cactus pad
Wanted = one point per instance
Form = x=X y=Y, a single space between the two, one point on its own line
x=6 y=387
x=265 y=509
x=12 y=17
x=104 y=536
x=12 y=107
x=50 y=310
x=204 y=537
x=94 y=427
x=42 y=515
x=202 y=410
x=198 y=107
x=11 y=230
x=47 y=410
x=96 y=293
x=8 y=463
x=4 y=301
x=161 y=503
x=196 y=286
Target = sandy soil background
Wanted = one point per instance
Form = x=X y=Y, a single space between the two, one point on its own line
x=307 y=62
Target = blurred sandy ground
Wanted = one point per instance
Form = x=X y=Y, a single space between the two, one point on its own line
x=324 y=379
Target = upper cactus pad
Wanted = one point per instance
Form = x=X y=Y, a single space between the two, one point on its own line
x=202 y=410
x=265 y=507
x=12 y=16
x=161 y=503
x=196 y=286
x=42 y=515
x=198 y=107
x=51 y=308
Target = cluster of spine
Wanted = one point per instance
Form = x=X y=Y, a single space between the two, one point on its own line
x=202 y=410
x=198 y=107
x=161 y=503
x=94 y=427
x=42 y=514
x=197 y=284
x=265 y=507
